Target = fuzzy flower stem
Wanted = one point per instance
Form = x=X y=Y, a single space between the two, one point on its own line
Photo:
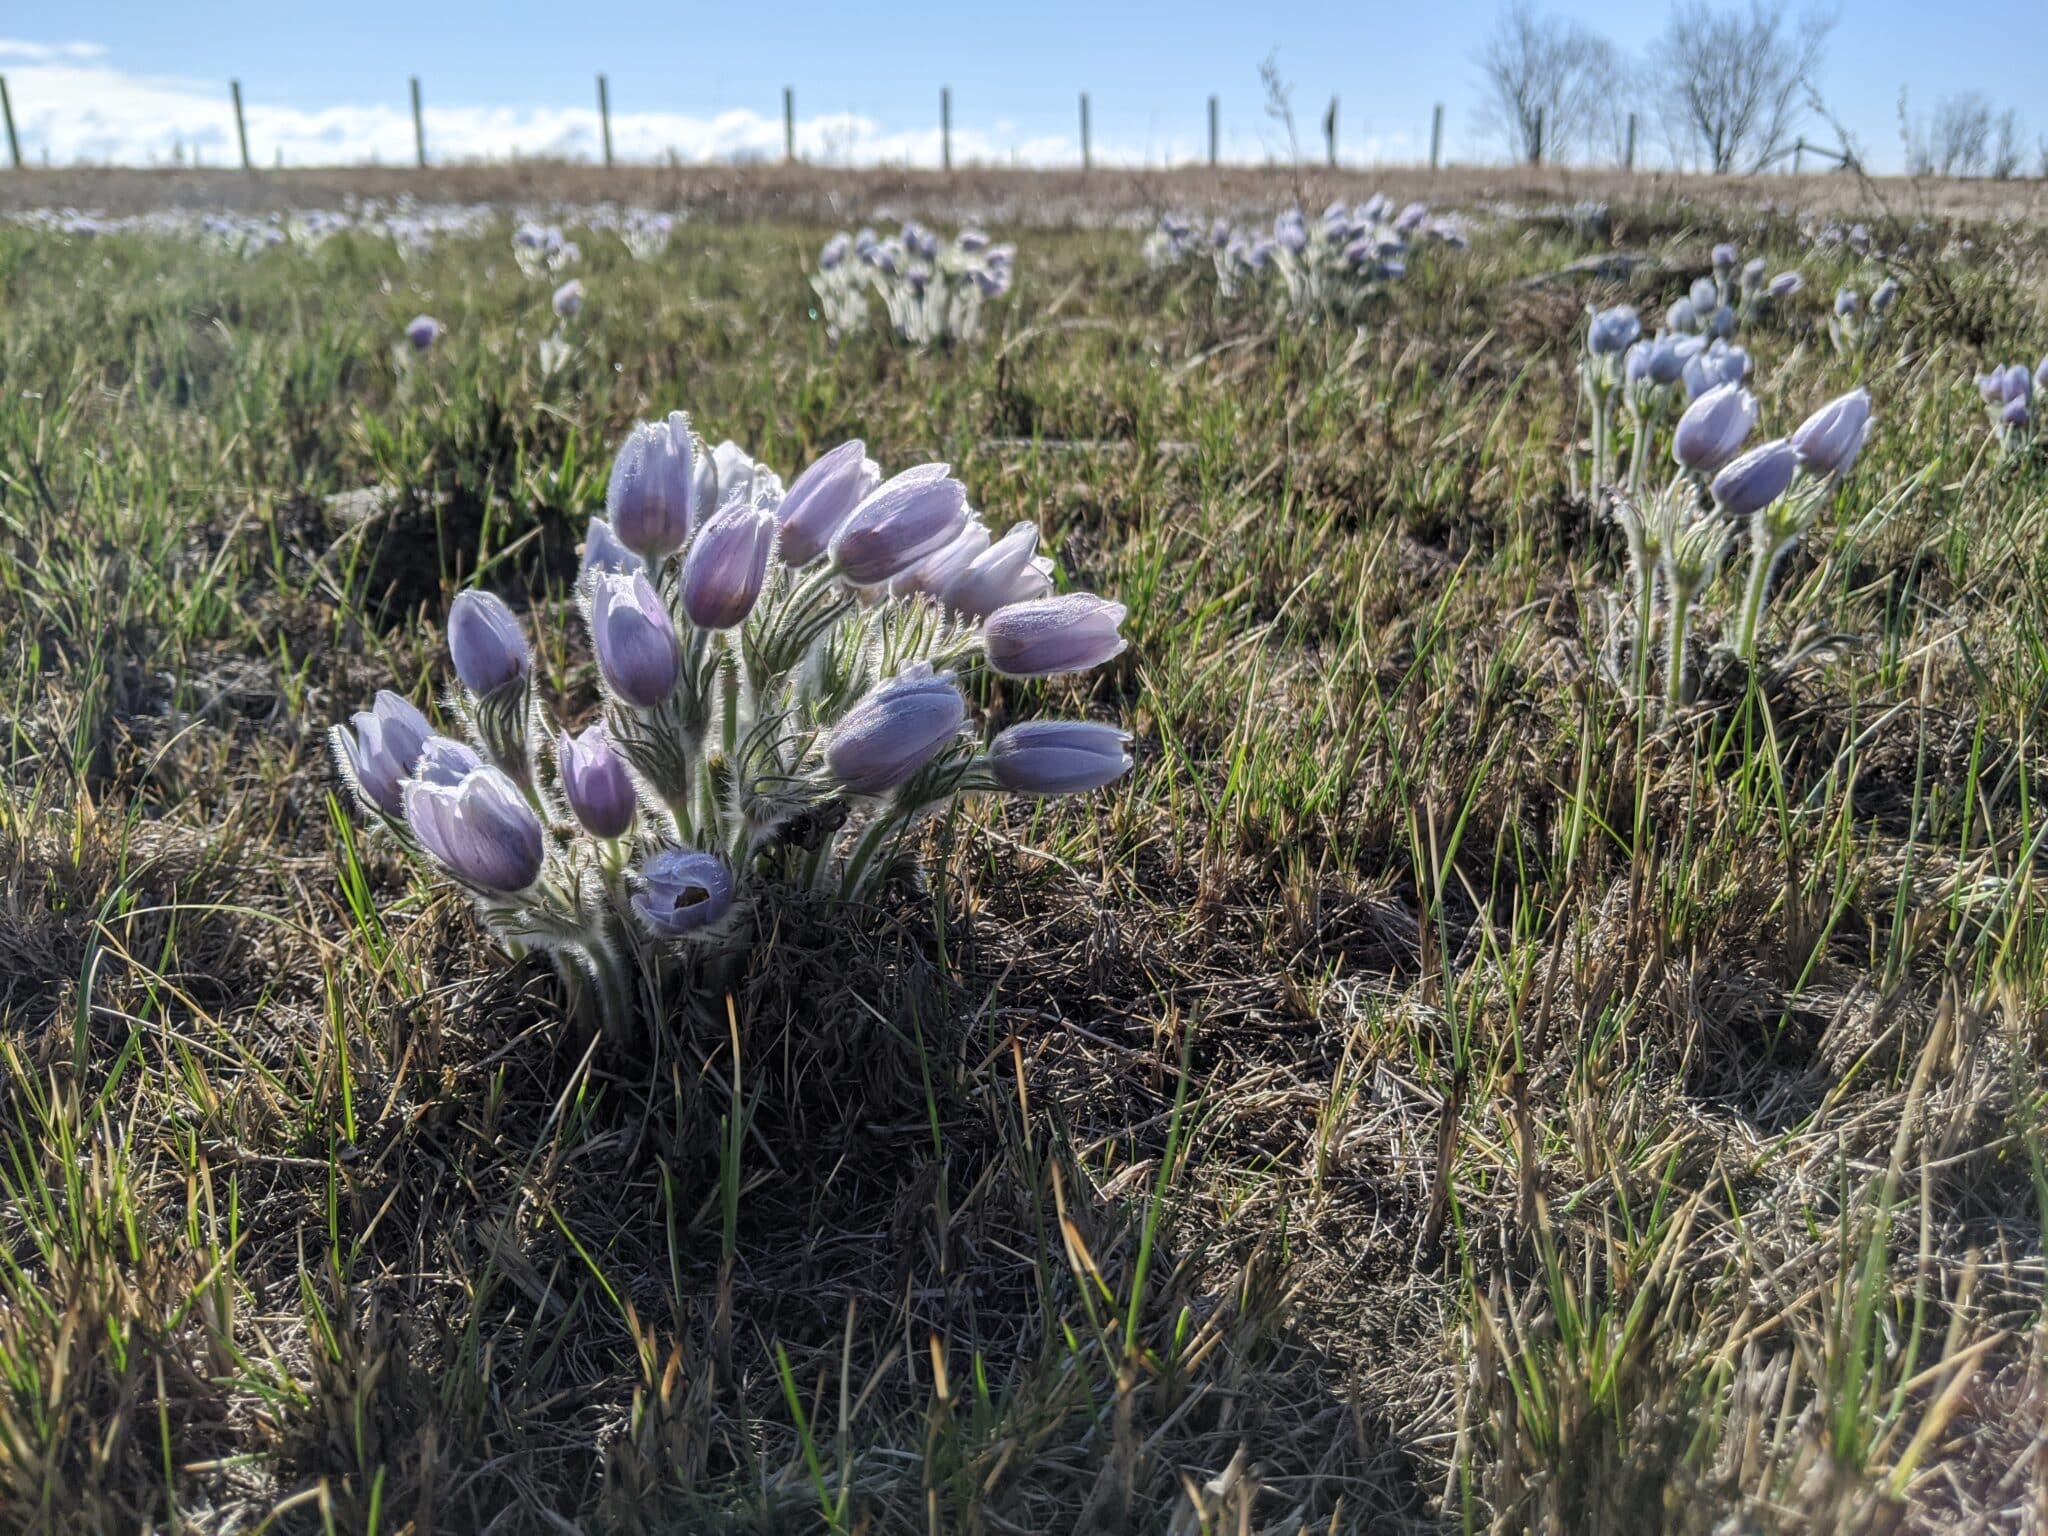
x=1763 y=556
x=1674 y=663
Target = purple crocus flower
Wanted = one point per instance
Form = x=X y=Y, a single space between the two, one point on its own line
x=822 y=498
x=895 y=731
x=445 y=761
x=1070 y=633
x=936 y=572
x=485 y=642
x=902 y=521
x=1008 y=571
x=1059 y=757
x=681 y=891
x=595 y=782
x=602 y=551
x=1711 y=431
x=1612 y=330
x=568 y=300
x=1756 y=479
x=379 y=747
x=423 y=331
x=649 y=497
x=481 y=828
x=1785 y=284
x=634 y=638
x=1829 y=440
x=726 y=565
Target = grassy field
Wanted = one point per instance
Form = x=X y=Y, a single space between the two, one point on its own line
x=1428 y=1094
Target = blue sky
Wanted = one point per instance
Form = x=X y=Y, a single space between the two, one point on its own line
x=125 y=80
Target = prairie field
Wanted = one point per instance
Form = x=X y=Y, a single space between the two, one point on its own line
x=1435 y=1090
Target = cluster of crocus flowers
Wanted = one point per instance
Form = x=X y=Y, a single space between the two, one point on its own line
x=1734 y=293
x=1679 y=537
x=1332 y=265
x=1855 y=323
x=646 y=232
x=1662 y=372
x=2008 y=395
x=932 y=290
x=781 y=709
x=543 y=249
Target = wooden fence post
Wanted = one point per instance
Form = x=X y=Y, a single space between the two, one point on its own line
x=419 y=125
x=241 y=127
x=604 y=117
x=7 y=111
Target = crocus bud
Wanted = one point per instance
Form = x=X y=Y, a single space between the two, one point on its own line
x=822 y=498
x=1070 y=633
x=1785 y=284
x=648 y=500
x=423 y=331
x=1724 y=258
x=2017 y=413
x=904 y=520
x=480 y=827
x=634 y=639
x=569 y=299
x=1058 y=757
x=681 y=891
x=1847 y=302
x=727 y=562
x=1884 y=296
x=1008 y=571
x=895 y=731
x=834 y=252
x=1753 y=272
x=380 y=750
x=485 y=642
x=1681 y=316
x=1755 y=480
x=595 y=782
x=1706 y=298
x=445 y=761
x=1711 y=431
x=602 y=551
x=1829 y=440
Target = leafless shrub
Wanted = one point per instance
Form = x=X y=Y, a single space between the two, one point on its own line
x=2006 y=149
x=1733 y=85
x=1551 y=85
x=1960 y=135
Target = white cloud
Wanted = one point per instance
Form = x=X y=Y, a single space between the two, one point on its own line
x=72 y=107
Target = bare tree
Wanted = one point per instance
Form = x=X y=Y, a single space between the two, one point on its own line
x=2006 y=149
x=1733 y=86
x=1551 y=84
x=1960 y=135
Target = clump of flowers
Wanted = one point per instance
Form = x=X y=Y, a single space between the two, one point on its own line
x=2008 y=394
x=1679 y=537
x=932 y=292
x=781 y=711
x=646 y=233
x=1856 y=323
x=542 y=250
x=1718 y=304
x=1334 y=265
x=1175 y=241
